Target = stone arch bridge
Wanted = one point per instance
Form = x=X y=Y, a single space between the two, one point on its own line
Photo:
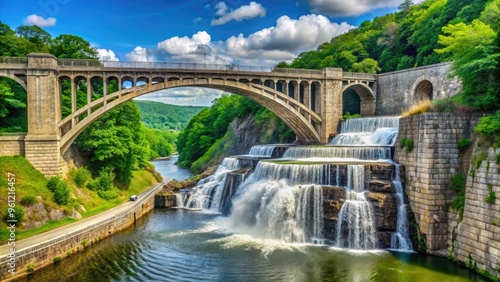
x=310 y=102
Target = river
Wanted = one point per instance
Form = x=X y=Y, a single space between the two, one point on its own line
x=179 y=245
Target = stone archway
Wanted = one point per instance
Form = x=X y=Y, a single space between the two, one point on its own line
x=423 y=91
x=359 y=98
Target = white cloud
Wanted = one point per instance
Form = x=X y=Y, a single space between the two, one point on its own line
x=186 y=96
x=139 y=54
x=244 y=12
x=39 y=21
x=345 y=8
x=287 y=39
x=266 y=47
x=107 y=55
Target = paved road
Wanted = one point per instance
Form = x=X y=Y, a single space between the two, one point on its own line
x=64 y=230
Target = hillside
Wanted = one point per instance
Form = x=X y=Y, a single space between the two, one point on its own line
x=158 y=115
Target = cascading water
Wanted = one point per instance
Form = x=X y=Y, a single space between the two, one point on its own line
x=277 y=202
x=262 y=150
x=356 y=222
x=400 y=240
x=372 y=153
x=207 y=193
x=377 y=131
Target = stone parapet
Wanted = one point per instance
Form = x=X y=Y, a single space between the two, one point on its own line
x=12 y=145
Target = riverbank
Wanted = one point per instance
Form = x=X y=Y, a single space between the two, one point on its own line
x=36 y=252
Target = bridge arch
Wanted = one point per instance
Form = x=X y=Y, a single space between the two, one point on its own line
x=15 y=78
x=364 y=99
x=295 y=115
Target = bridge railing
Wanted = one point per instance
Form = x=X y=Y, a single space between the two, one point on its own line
x=79 y=63
x=14 y=60
x=297 y=71
x=357 y=75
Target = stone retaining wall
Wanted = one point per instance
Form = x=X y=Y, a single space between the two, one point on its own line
x=477 y=241
x=41 y=255
x=11 y=145
x=430 y=164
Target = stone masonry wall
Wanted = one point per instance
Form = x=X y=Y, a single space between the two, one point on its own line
x=429 y=167
x=12 y=145
x=477 y=239
x=43 y=254
x=396 y=90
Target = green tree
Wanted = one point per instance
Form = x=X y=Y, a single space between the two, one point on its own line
x=476 y=55
x=37 y=36
x=116 y=142
x=72 y=46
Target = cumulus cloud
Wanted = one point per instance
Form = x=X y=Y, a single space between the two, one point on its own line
x=186 y=96
x=342 y=8
x=139 y=54
x=245 y=12
x=39 y=21
x=107 y=55
x=266 y=47
x=287 y=39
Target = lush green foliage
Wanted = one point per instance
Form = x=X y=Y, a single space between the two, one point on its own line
x=116 y=142
x=457 y=183
x=406 y=143
x=81 y=176
x=463 y=144
x=489 y=125
x=492 y=196
x=60 y=190
x=104 y=182
x=17 y=214
x=348 y=115
x=164 y=116
x=28 y=200
x=396 y=41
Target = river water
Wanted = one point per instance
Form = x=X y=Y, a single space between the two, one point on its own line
x=179 y=245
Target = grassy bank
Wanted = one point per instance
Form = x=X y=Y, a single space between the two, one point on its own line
x=32 y=195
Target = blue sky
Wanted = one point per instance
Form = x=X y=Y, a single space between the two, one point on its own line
x=256 y=33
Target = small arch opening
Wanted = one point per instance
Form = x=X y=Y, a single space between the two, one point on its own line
x=423 y=91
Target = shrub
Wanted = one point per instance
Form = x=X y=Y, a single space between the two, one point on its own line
x=52 y=183
x=28 y=200
x=490 y=199
x=457 y=183
x=463 y=144
x=57 y=260
x=104 y=182
x=107 y=195
x=406 y=143
x=84 y=243
x=348 y=115
x=81 y=176
x=418 y=108
x=489 y=125
x=61 y=193
x=445 y=105
x=15 y=213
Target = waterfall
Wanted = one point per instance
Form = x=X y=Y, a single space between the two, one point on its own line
x=262 y=150
x=400 y=239
x=275 y=209
x=377 y=131
x=207 y=193
x=294 y=174
x=345 y=152
x=179 y=201
x=356 y=222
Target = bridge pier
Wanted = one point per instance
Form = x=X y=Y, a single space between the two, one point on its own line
x=330 y=104
x=42 y=142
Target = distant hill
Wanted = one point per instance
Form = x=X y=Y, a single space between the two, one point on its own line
x=164 y=116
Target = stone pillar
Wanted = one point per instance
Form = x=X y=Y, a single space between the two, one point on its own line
x=307 y=95
x=42 y=148
x=330 y=103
